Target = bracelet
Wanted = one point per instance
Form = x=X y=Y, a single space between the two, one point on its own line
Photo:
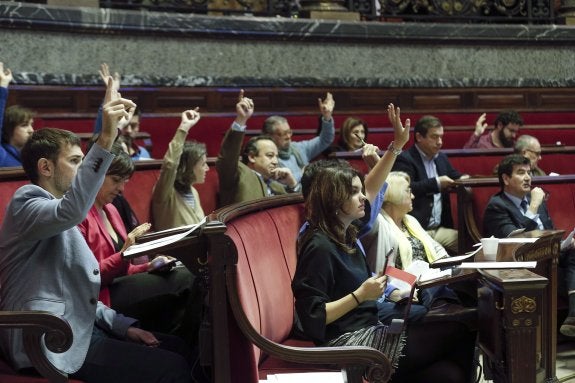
x=354 y=297
x=394 y=151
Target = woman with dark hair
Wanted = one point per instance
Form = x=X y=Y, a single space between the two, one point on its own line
x=175 y=202
x=158 y=300
x=336 y=293
x=15 y=124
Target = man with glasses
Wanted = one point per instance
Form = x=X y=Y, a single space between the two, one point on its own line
x=529 y=146
x=506 y=127
x=296 y=155
x=432 y=176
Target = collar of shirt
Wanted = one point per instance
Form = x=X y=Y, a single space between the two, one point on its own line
x=516 y=200
x=266 y=182
x=424 y=156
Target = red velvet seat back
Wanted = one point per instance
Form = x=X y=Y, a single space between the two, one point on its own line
x=266 y=245
x=481 y=197
x=561 y=205
x=6 y=192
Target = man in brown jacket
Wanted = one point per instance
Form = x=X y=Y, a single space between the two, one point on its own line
x=257 y=175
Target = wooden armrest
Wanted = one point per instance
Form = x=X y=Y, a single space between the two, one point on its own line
x=470 y=222
x=36 y=325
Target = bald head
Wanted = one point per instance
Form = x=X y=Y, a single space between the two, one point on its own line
x=528 y=146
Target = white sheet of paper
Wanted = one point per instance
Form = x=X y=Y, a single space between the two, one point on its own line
x=141 y=247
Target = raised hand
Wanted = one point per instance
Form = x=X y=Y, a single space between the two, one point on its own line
x=244 y=109
x=400 y=133
x=5 y=76
x=480 y=125
x=326 y=106
x=189 y=119
x=105 y=75
x=114 y=109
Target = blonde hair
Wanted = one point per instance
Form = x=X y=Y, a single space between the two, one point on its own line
x=395 y=194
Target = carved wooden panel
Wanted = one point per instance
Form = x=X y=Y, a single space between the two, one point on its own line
x=499 y=101
x=437 y=102
x=48 y=100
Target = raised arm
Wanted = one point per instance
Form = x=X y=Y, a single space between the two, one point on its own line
x=106 y=76
x=5 y=80
x=230 y=150
x=480 y=126
x=375 y=179
x=115 y=109
x=165 y=184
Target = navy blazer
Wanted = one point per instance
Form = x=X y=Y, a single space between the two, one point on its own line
x=502 y=216
x=423 y=187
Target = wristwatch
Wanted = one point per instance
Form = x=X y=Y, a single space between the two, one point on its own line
x=393 y=150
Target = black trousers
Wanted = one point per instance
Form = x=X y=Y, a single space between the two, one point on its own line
x=166 y=302
x=113 y=360
x=438 y=352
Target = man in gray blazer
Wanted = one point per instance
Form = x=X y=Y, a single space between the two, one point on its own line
x=45 y=263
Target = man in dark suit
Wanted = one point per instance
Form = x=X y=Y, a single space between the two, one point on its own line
x=518 y=206
x=431 y=178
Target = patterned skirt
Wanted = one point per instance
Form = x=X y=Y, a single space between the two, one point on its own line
x=377 y=337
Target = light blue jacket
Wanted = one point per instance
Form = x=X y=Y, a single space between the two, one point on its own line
x=45 y=264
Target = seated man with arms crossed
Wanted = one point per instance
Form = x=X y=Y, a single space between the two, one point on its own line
x=517 y=206
x=258 y=174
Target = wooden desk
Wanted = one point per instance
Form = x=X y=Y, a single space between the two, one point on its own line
x=518 y=311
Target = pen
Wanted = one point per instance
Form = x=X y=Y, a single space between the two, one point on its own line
x=360 y=139
x=386 y=262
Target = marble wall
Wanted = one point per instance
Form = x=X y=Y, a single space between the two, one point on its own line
x=64 y=46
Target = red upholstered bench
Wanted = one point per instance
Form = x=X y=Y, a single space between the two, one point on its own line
x=474 y=194
x=257 y=255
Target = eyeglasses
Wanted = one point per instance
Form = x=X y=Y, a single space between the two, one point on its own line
x=537 y=153
x=285 y=133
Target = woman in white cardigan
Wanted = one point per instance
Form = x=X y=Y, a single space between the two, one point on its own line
x=410 y=242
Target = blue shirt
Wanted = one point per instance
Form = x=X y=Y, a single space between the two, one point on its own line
x=9 y=155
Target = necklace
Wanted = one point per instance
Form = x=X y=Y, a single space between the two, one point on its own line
x=404 y=228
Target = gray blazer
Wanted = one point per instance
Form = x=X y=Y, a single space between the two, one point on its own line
x=45 y=264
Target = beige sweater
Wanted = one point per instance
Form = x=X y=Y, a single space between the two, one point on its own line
x=168 y=207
